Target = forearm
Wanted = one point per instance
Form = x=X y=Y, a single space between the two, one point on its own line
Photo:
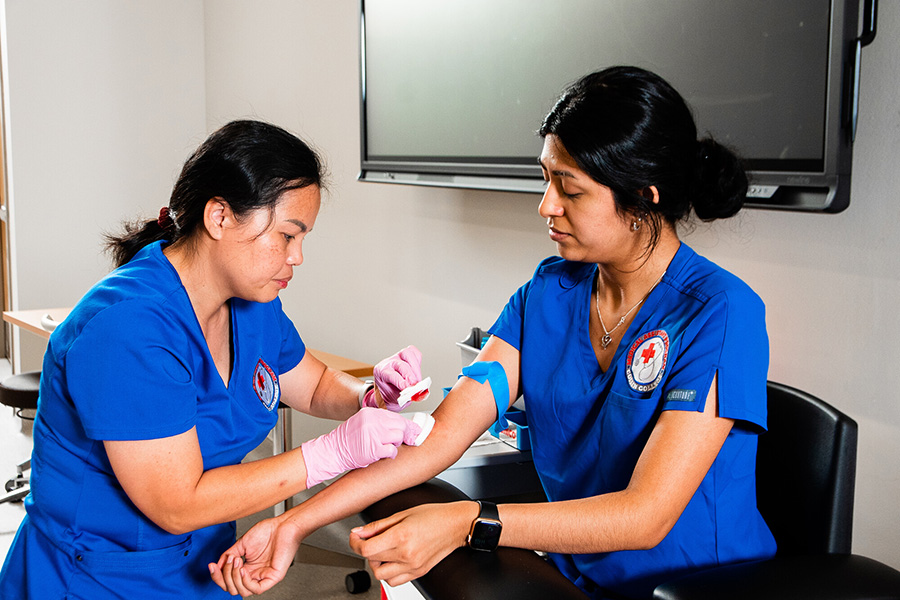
x=228 y=493
x=676 y=458
x=321 y=391
x=336 y=396
x=406 y=545
x=456 y=426
x=466 y=413
x=358 y=489
x=219 y=494
x=617 y=521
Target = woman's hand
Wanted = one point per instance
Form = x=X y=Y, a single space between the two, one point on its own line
x=369 y=435
x=408 y=544
x=394 y=374
x=258 y=560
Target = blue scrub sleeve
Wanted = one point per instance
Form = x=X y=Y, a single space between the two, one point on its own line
x=292 y=347
x=730 y=339
x=511 y=322
x=128 y=375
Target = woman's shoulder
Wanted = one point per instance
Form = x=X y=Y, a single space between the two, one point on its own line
x=138 y=296
x=148 y=276
x=114 y=315
x=702 y=279
x=136 y=287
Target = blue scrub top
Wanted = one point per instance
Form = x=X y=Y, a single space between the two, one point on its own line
x=588 y=427
x=131 y=363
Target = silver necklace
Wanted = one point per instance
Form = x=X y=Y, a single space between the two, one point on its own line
x=607 y=334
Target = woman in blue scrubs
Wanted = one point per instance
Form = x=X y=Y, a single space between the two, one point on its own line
x=170 y=370
x=643 y=366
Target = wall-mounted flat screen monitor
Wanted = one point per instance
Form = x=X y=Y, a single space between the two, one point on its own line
x=453 y=92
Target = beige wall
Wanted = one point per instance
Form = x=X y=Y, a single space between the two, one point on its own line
x=106 y=98
x=392 y=265
x=386 y=265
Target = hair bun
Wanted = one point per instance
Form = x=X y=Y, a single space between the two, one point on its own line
x=720 y=183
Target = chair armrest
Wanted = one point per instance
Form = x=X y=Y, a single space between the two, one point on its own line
x=505 y=573
x=819 y=577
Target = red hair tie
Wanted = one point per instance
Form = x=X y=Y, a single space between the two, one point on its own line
x=165 y=220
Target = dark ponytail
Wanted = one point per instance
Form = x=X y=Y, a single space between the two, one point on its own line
x=137 y=234
x=720 y=183
x=629 y=129
x=249 y=164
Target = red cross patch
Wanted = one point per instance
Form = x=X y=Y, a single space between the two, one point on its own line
x=647 y=360
x=265 y=384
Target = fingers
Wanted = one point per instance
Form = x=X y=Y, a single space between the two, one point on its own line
x=399 y=431
x=393 y=405
x=386 y=451
x=410 y=365
x=394 y=376
x=216 y=574
x=230 y=573
x=226 y=576
x=412 y=357
x=394 y=428
x=238 y=579
x=411 y=432
x=403 y=369
x=254 y=582
x=369 y=530
x=391 y=436
x=220 y=571
x=389 y=561
x=408 y=544
x=395 y=573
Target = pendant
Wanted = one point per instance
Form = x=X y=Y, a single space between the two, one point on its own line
x=605 y=341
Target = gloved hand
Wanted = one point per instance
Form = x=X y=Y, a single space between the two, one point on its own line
x=393 y=374
x=368 y=436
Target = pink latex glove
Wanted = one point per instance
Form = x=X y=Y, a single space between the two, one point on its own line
x=368 y=436
x=393 y=374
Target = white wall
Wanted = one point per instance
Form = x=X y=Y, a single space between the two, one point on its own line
x=106 y=100
x=392 y=265
x=386 y=265
x=831 y=284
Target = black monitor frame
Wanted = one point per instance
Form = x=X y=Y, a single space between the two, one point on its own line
x=817 y=186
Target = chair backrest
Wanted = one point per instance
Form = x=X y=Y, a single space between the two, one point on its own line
x=806 y=472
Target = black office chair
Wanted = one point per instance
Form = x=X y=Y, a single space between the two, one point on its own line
x=20 y=392
x=806 y=472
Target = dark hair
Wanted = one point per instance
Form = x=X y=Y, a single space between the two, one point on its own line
x=629 y=129
x=249 y=164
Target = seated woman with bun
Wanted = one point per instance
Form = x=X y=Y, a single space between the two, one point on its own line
x=643 y=365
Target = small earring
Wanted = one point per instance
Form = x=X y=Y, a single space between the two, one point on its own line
x=636 y=224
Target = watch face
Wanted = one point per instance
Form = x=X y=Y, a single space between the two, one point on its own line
x=485 y=535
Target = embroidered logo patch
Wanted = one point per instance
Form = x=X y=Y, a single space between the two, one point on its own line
x=265 y=384
x=647 y=360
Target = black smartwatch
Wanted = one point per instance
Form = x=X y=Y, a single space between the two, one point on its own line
x=485 y=531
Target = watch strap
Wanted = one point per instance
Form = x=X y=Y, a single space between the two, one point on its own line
x=488 y=520
x=488 y=510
